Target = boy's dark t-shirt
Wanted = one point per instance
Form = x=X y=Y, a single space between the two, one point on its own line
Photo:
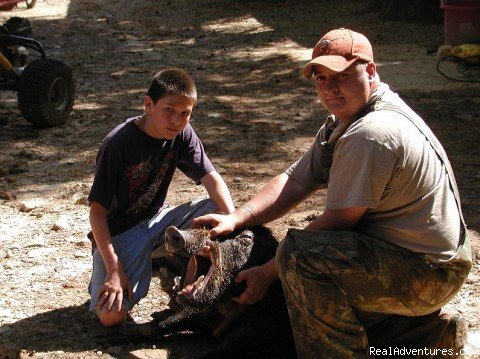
x=134 y=170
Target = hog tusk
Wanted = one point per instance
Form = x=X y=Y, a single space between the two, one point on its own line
x=199 y=280
x=196 y=286
x=190 y=289
x=186 y=290
x=197 y=283
x=176 y=282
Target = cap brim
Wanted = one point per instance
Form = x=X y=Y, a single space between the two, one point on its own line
x=334 y=63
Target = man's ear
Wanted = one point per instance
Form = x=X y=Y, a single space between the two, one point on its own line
x=371 y=71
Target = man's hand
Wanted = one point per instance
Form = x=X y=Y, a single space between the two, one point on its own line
x=220 y=224
x=258 y=280
x=111 y=295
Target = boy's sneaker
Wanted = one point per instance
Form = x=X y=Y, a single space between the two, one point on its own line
x=129 y=319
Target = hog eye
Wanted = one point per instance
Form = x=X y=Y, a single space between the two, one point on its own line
x=247 y=236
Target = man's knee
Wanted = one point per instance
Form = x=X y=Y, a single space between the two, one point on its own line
x=284 y=255
x=309 y=254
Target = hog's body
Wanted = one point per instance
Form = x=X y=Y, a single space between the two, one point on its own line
x=201 y=296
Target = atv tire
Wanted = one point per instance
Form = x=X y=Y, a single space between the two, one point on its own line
x=45 y=92
x=30 y=3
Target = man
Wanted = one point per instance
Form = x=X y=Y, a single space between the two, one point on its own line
x=391 y=241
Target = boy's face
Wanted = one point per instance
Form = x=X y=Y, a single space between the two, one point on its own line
x=168 y=116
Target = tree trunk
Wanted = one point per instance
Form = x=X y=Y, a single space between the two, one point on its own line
x=405 y=10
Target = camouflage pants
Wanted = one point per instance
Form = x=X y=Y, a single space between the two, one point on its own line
x=330 y=277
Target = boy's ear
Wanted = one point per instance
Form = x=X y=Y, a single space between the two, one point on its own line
x=148 y=103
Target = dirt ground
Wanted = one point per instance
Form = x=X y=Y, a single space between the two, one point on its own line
x=255 y=115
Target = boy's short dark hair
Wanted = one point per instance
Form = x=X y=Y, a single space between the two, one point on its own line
x=172 y=81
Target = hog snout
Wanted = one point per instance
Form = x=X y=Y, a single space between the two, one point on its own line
x=174 y=239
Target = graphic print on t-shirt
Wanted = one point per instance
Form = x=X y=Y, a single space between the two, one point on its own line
x=144 y=180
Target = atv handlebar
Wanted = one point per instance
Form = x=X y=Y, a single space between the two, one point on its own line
x=9 y=39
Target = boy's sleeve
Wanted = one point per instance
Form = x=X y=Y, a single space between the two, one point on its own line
x=107 y=174
x=194 y=162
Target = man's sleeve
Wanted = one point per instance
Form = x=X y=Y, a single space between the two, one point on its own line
x=360 y=174
x=308 y=170
x=194 y=162
x=108 y=172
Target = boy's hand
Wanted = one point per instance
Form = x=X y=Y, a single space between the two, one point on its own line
x=221 y=224
x=111 y=295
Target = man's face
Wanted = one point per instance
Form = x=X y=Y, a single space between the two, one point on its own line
x=168 y=116
x=345 y=93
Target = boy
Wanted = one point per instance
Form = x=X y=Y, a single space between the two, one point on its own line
x=128 y=213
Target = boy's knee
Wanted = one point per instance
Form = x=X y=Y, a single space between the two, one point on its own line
x=111 y=318
x=204 y=206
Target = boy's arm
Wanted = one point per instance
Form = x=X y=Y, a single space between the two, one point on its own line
x=116 y=281
x=218 y=191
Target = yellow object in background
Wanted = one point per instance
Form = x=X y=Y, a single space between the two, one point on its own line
x=470 y=53
x=466 y=50
x=4 y=63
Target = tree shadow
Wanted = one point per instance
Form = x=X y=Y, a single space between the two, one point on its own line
x=246 y=57
x=254 y=107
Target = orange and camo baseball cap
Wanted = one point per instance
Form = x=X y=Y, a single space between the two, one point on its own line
x=338 y=49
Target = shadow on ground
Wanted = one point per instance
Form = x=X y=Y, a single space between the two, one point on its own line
x=73 y=329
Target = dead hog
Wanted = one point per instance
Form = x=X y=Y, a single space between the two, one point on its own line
x=201 y=293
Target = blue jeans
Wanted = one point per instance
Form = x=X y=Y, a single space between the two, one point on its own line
x=134 y=248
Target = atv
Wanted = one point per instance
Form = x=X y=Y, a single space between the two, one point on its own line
x=7 y=5
x=44 y=86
